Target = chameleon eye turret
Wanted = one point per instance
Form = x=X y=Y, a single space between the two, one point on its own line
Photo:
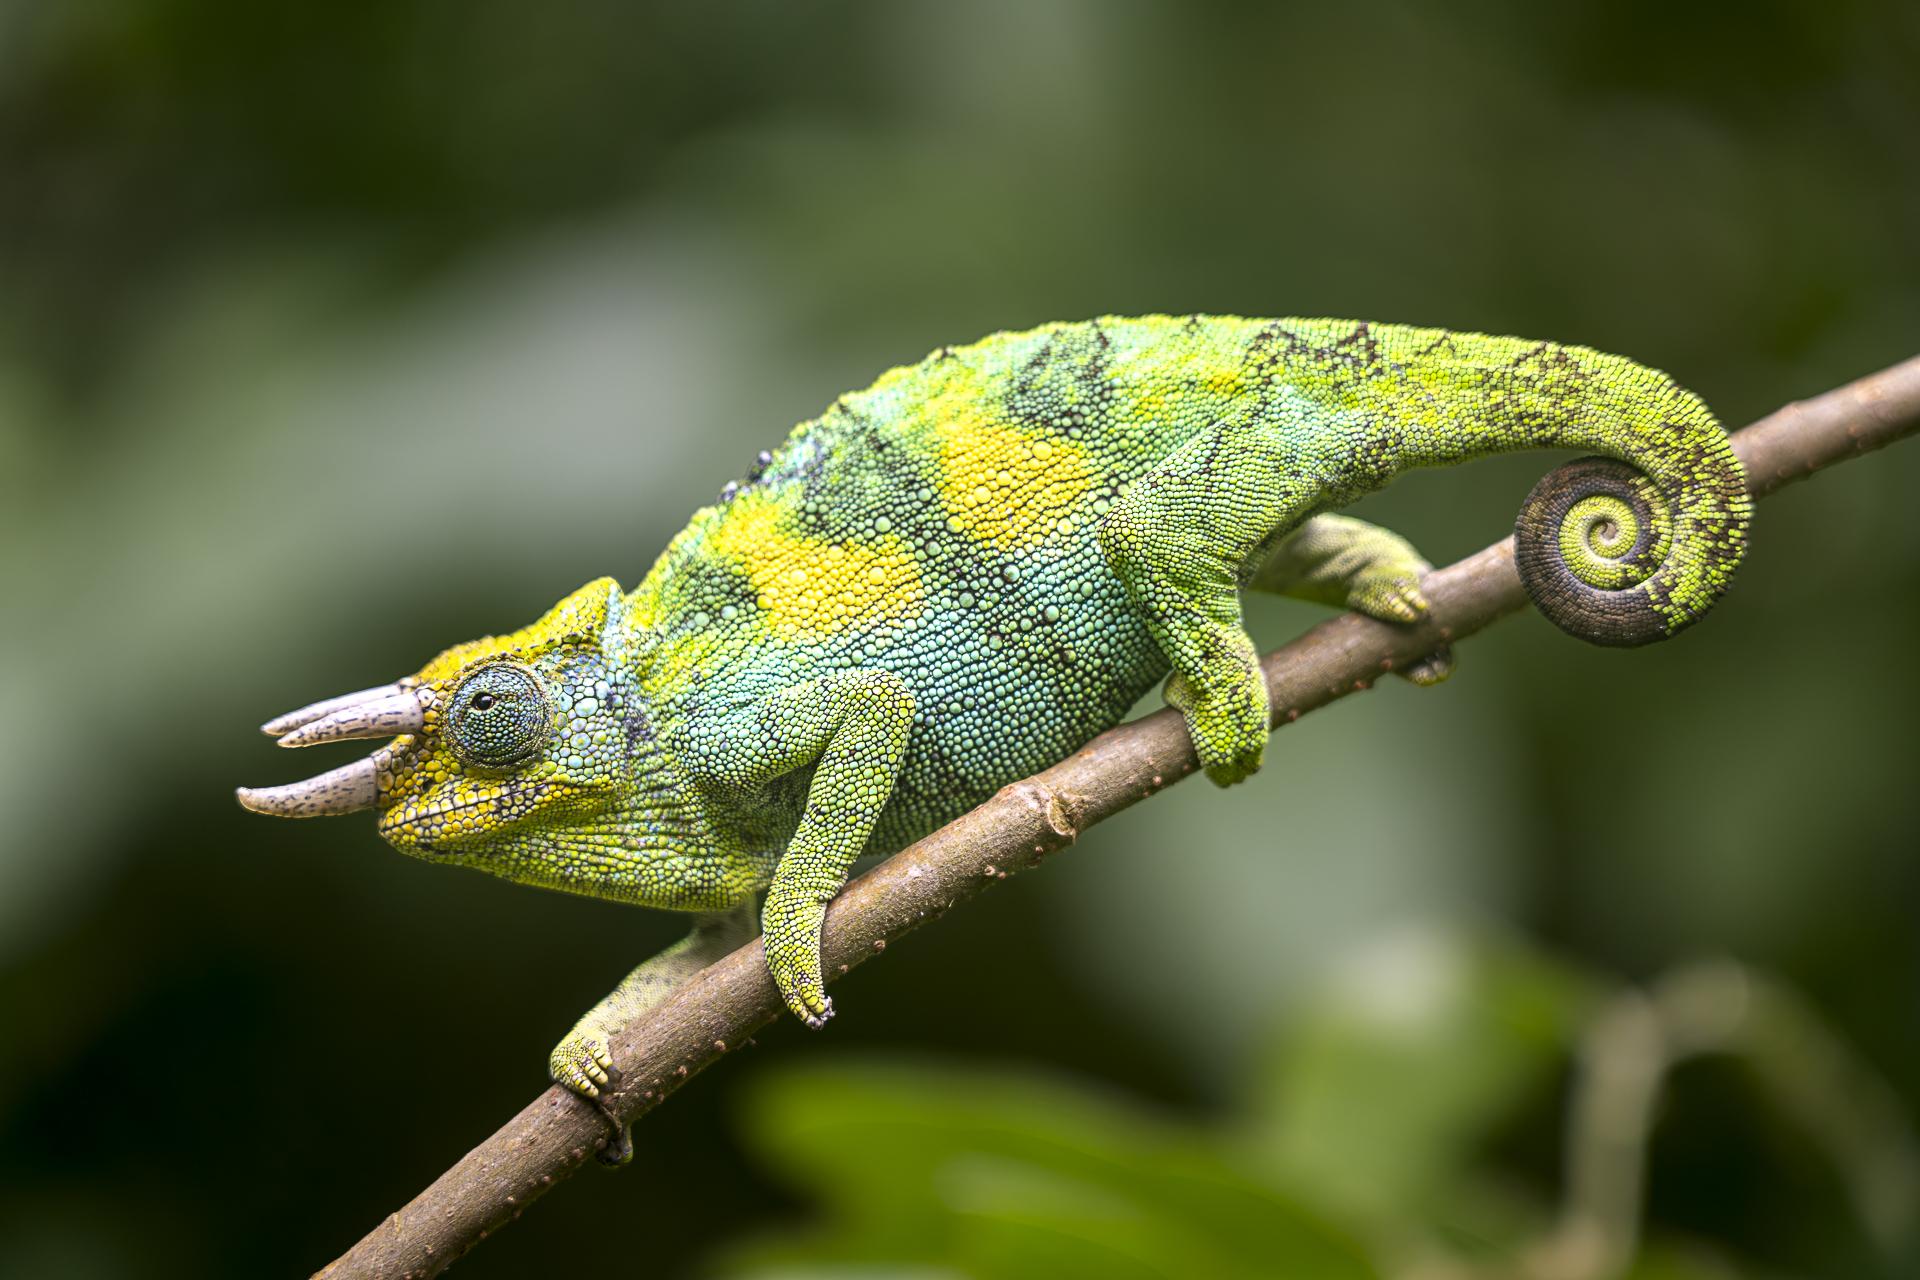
x=499 y=716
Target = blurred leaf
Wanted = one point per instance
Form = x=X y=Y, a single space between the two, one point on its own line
x=1404 y=1062
x=1672 y=1262
x=1004 y=1175
x=850 y=1271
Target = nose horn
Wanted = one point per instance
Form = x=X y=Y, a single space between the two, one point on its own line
x=400 y=711
x=348 y=789
x=326 y=706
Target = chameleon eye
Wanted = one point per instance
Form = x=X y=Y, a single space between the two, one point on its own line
x=500 y=716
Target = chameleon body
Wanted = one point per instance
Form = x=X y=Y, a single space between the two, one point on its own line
x=957 y=576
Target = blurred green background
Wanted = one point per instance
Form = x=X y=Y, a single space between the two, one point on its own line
x=333 y=334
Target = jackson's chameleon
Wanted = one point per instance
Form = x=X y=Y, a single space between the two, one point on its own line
x=957 y=576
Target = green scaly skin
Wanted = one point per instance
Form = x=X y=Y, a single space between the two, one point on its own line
x=959 y=575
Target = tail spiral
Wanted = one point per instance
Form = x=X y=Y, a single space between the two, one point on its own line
x=1609 y=557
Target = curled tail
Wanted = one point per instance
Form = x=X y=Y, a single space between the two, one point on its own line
x=1610 y=555
x=1622 y=549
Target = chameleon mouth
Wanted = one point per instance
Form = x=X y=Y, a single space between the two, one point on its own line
x=425 y=826
x=384 y=712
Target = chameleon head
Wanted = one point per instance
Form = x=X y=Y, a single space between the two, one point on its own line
x=497 y=743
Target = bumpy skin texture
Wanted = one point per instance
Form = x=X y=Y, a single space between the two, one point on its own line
x=957 y=576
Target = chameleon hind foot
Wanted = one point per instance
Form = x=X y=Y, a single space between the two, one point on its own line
x=1388 y=592
x=1351 y=564
x=1396 y=597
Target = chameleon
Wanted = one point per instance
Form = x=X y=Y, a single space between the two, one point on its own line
x=959 y=575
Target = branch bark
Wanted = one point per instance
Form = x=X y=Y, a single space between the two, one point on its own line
x=1017 y=829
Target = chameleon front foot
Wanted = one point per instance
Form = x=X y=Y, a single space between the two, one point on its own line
x=792 y=931
x=1430 y=670
x=1228 y=725
x=581 y=1062
x=619 y=1148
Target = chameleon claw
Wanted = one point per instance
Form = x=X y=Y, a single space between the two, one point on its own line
x=1432 y=669
x=619 y=1148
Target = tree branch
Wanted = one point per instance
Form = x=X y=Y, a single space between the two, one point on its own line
x=1018 y=828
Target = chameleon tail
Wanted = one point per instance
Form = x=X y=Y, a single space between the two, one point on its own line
x=1636 y=546
x=1623 y=549
x=1609 y=557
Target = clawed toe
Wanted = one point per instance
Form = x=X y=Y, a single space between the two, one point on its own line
x=1390 y=599
x=619 y=1148
x=811 y=1005
x=1432 y=669
x=582 y=1064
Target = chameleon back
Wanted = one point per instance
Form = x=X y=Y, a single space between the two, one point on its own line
x=942 y=524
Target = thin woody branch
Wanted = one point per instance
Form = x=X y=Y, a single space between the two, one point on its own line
x=1017 y=829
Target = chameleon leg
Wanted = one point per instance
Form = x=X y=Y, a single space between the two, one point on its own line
x=852 y=728
x=1351 y=564
x=581 y=1060
x=1179 y=541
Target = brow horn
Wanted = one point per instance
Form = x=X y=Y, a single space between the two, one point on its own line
x=326 y=706
x=348 y=789
x=395 y=712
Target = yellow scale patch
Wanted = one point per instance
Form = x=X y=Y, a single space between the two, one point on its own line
x=999 y=484
x=810 y=589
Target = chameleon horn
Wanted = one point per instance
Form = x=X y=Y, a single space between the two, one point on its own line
x=348 y=789
x=326 y=706
x=397 y=712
